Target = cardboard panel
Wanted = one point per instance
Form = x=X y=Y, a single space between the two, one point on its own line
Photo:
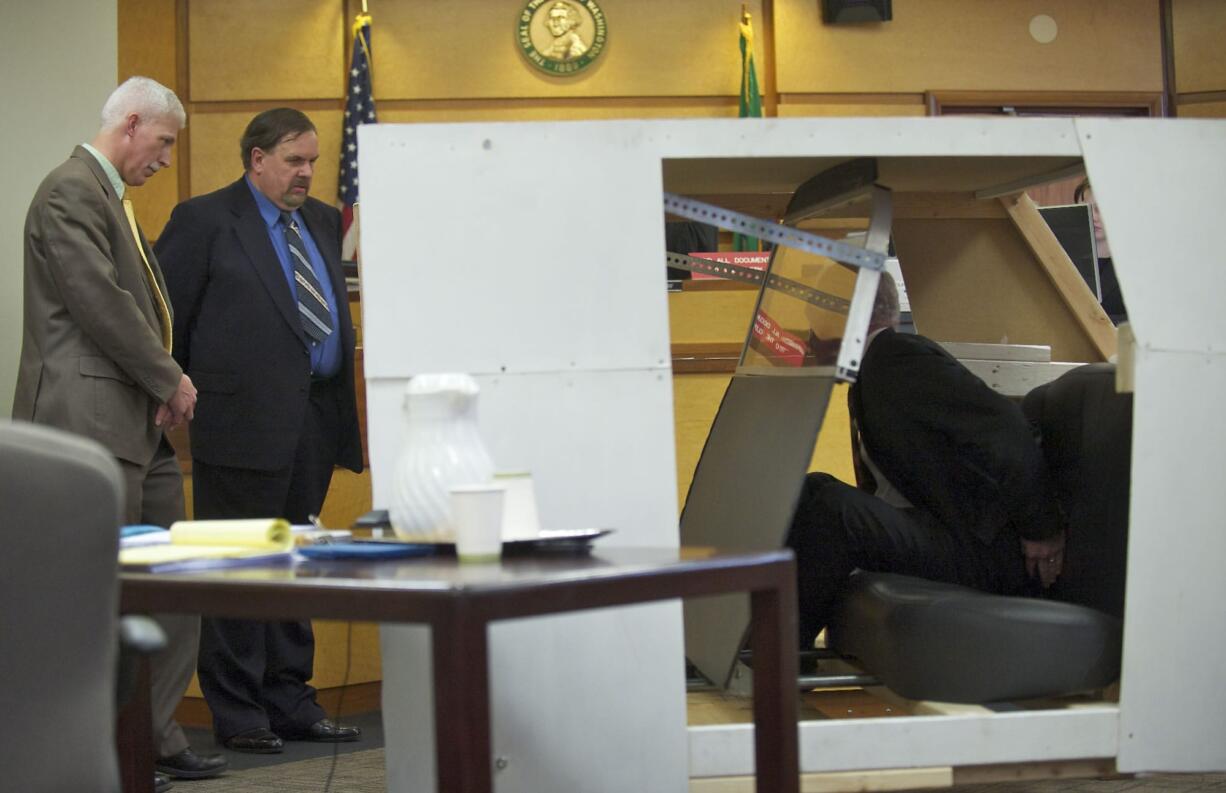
x=1102 y=45
x=266 y=49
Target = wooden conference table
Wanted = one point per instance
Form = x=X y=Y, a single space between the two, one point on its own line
x=459 y=601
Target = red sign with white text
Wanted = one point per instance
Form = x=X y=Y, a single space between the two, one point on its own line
x=778 y=345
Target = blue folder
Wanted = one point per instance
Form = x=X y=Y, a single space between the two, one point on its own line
x=365 y=550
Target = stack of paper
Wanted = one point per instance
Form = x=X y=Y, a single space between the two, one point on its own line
x=204 y=544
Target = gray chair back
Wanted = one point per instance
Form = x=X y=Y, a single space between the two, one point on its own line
x=61 y=498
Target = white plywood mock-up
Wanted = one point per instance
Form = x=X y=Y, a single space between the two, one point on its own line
x=530 y=256
x=483 y=253
x=1161 y=188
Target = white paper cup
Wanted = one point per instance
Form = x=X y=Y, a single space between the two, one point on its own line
x=519 y=519
x=476 y=514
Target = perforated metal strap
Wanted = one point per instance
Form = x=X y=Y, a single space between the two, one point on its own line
x=780 y=235
x=735 y=272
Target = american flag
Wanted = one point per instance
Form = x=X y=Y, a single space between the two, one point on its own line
x=359 y=109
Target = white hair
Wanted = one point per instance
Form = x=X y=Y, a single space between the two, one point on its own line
x=145 y=97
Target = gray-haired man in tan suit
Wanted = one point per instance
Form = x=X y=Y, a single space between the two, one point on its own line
x=95 y=353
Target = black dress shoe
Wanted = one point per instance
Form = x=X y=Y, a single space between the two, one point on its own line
x=324 y=731
x=161 y=783
x=189 y=765
x=259 y=740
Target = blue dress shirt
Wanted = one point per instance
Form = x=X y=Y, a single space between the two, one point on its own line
x=326 y=355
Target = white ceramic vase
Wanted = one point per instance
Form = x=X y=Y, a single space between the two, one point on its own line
x=442 y=449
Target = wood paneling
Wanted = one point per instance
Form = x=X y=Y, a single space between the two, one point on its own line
x=971 y=45
x=267 y=49
x=467 y=48
x=821 y=105
x=147 y=30
x=1057 y=103
x=348 y=497
x=346 y=653
x=1202 y=109
x=696 y=399
x=833 y=451
x=555 y=109
x=1199 y=28
x=715 y=316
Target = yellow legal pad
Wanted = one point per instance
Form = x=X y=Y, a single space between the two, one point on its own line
x=202 y=544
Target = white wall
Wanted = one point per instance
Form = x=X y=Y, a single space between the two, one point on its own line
x=58 y=63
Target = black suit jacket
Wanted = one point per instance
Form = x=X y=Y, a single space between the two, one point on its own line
x=237 y=332
x=949 y=443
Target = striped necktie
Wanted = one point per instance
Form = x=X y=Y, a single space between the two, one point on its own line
x=312 y=305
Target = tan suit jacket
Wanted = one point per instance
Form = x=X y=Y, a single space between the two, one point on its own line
x=92 y=360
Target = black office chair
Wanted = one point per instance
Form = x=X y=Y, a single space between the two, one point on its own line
x=935 y=641
x=62 y=497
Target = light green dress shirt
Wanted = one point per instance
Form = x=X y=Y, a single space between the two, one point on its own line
x=111 y=173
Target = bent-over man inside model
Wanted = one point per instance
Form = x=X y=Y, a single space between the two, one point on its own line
x=953 y=485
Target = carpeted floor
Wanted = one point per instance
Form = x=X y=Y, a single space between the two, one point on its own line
x=303 y=767
x=349 y=772
x=295 y=751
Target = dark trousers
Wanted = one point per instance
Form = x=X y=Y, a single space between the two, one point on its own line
x=254 y=674
x=838 y=528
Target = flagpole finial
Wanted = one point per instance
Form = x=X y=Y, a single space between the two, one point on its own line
x=364 y=9
x=744 y=13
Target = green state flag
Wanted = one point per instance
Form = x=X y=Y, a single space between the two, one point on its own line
x=751 y=99
x=750 y=107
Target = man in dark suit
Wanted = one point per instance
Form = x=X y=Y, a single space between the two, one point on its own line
x=955 y=488
x=95 y=354
x=263 y=327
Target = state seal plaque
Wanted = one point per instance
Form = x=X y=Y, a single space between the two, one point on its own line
x=562 y=37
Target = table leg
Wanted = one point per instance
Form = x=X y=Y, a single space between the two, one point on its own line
x=134 y=735
x=463 y=747
x=775 y=712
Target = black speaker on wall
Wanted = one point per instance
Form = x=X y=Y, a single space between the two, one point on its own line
x=838 y=11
